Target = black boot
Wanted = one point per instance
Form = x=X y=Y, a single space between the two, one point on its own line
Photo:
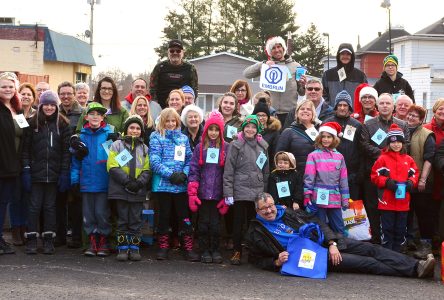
x=122 y=247
x=215 y=253
x=48 y=242
x=134 y=245
x=164 y=247
x=187 y=243
x=31 y=242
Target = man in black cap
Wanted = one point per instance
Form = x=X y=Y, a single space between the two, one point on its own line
x=172 y=73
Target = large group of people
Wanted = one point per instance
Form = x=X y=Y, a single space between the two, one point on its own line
x=255 y=169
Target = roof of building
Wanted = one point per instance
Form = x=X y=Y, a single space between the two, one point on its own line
x=433 y=29
x=381 y=43
x=65 y=48
x=223 y=53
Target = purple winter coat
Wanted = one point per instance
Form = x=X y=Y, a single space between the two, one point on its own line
x=209 y=175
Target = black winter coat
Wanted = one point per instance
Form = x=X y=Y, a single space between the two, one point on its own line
x=294 y=183
x=9 y=159
x=400 y=85
x=46 y=150
x=271 y=136
x=263 y=247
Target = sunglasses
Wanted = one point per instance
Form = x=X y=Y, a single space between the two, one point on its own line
x=317 y=89
x=177 y=51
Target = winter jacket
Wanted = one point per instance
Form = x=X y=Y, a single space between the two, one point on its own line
x=46 y=150
x=437 y=175
x=294 y=184
x=330 y=78
x=166 y=77
x=271 y=136
x=235 y=122
x=326 y=169
x=400 y=85
x=91 y=172
x=395 y=166
x=73 y=115
x=263 y=247
x=155 y=108
x=137 y=168
x=162 y=161
x=115 y=120
x=422 y=149
x=296 y=141
x=243 y=179
x=193 y=143
x=9 y=158
x=282 y=102
x=209 y=175
x=370 y=149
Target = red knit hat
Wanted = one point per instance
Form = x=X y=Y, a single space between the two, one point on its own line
x=215 y=118
x=332 y=128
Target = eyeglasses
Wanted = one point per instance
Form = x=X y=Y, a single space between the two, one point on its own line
x=41 y=90
x=106 y=89
x=367 y=97
x=390 y=66
x=413 y=116
x=66 y=94
x=266 y=208
x=177 y=51
x=317 y=89
x=240 y=91
x=261 y=116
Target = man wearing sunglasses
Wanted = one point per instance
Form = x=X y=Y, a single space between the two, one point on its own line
x=172 y=73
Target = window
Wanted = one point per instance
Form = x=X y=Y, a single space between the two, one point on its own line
x=80 y=77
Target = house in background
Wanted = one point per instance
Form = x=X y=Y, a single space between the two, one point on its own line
x=37 y=53
x=371 y=56
x=421 y=60
x=217 y=72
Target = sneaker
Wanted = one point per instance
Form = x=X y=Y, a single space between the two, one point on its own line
x=92 y=247
x=103 y=249
x=426 y=267
x=206 y=257
x=236 y=258
x=6 y=247
x=217 y=257
x=423 y=251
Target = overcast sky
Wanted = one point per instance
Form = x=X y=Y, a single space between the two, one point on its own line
x=126 y=32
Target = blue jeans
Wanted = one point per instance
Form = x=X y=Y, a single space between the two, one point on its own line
x=7 y=186
x=18 y=207
x=96 y=213
x=393 y=229
x=332 y=216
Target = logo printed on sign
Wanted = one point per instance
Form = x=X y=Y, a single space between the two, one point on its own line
x=349 y=132
x=213 y=155
x=273 y=78
x=273 y=75
x=283 y=189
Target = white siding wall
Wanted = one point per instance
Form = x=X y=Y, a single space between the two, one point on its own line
x=420 y=80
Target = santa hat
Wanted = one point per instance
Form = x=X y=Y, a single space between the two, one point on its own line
x=332 y=128
x=273 y=41
x=215 y=118
x=357 y=100
x=395 y=134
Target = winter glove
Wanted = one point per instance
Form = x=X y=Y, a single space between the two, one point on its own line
x=178 y=178
x=345 y=205
x=114 y=136
x=133 y=187
x=311 y=208
x=229 y=200
x=384 y=172
x=411 y=173
x=26 y=179
x=390 y=184
x=223 y=207
x=78 y=148
x=307 y=201
x=193 y=203
x=409 y=186
x=64 y=182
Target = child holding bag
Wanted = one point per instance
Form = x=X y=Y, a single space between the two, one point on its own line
x=395 y=174
x=205 y=186
x=127 y=186
x=325 y=178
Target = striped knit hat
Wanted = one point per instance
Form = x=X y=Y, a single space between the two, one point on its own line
x=395 y=134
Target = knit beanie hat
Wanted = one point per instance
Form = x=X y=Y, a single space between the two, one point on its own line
x=49 y=97
x=290 y=158
x=273 y=41
x=187 y=109
x=395 y=134
x=343 y=96
x=133 y=119
x=254 y=120
x=391 y=58
x=215 y=118
x=261 y=107
x=331 y=127
x=186 y=89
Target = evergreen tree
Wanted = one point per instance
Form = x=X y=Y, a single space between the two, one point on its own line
x=309 y=50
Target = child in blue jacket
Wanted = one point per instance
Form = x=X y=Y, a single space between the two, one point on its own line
x=90 y=176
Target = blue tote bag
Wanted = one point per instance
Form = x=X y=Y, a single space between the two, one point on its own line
x=306 y=258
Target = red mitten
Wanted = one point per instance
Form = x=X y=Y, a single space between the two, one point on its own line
x=306 y=201
x=193 y=187
x=193 y=203
x=223 y=207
